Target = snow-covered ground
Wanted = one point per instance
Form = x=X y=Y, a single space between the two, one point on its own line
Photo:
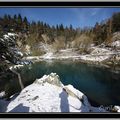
x=101 y=51
x=48 y=94
x=94 y=58
x=97 y=54
x=48 y=55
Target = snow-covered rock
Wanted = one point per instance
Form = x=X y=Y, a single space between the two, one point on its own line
x=48 y=94
x=2 y=94
x=28 y=51
x=12 y=34
x=98 y=54
x=100 y=51
x=8 y=35
x=19 y=53
x=15 y=67
x=115 y=40
x=116 y=44
x=117 y=108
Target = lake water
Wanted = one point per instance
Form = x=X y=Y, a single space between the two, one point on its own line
x=101 y=86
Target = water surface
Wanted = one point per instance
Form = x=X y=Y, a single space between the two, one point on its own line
x=99 y=84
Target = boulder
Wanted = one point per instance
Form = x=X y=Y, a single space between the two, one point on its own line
x=48 y=94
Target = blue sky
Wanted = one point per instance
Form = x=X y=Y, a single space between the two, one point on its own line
x=78 y=17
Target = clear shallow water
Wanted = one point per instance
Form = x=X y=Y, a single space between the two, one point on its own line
x=100 y=85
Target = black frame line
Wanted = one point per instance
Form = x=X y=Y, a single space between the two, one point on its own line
x=58 y=4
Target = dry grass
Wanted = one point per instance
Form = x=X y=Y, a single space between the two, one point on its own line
x=82 y=41
x=59 y=43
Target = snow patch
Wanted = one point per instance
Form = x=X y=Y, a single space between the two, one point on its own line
x=47 y=55
x=6 y=36
x=117 y=108
x=94 y=58
x=15 y=67
x=116 y=44
x=19 y=53
x=12 y=34
x=2 y=94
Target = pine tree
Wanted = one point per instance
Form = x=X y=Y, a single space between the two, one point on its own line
x=5 y=22
x=25 y=24
x=61 y=27
x=19 y=19
x=71 y=28
x=15 y=17
x=116 y=22
x=19 y=23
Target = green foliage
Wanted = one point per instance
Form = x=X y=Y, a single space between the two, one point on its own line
x=102 y=32
x=8 y=56
x=116 y=22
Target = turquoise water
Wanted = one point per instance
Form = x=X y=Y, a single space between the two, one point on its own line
x=100 y=85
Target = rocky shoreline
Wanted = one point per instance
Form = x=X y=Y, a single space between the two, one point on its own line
x=112 y=64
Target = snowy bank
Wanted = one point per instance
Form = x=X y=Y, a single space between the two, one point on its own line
x=97 y=55
x=48 y=94
x=16 y=67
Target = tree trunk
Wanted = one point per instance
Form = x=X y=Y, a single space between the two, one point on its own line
x=19 y=78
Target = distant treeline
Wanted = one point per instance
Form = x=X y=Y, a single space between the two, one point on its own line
x=102 y=31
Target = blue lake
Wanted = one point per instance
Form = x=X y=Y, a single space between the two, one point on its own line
x=101 y=86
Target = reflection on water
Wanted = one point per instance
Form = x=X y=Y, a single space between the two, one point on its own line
x=100 y=85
